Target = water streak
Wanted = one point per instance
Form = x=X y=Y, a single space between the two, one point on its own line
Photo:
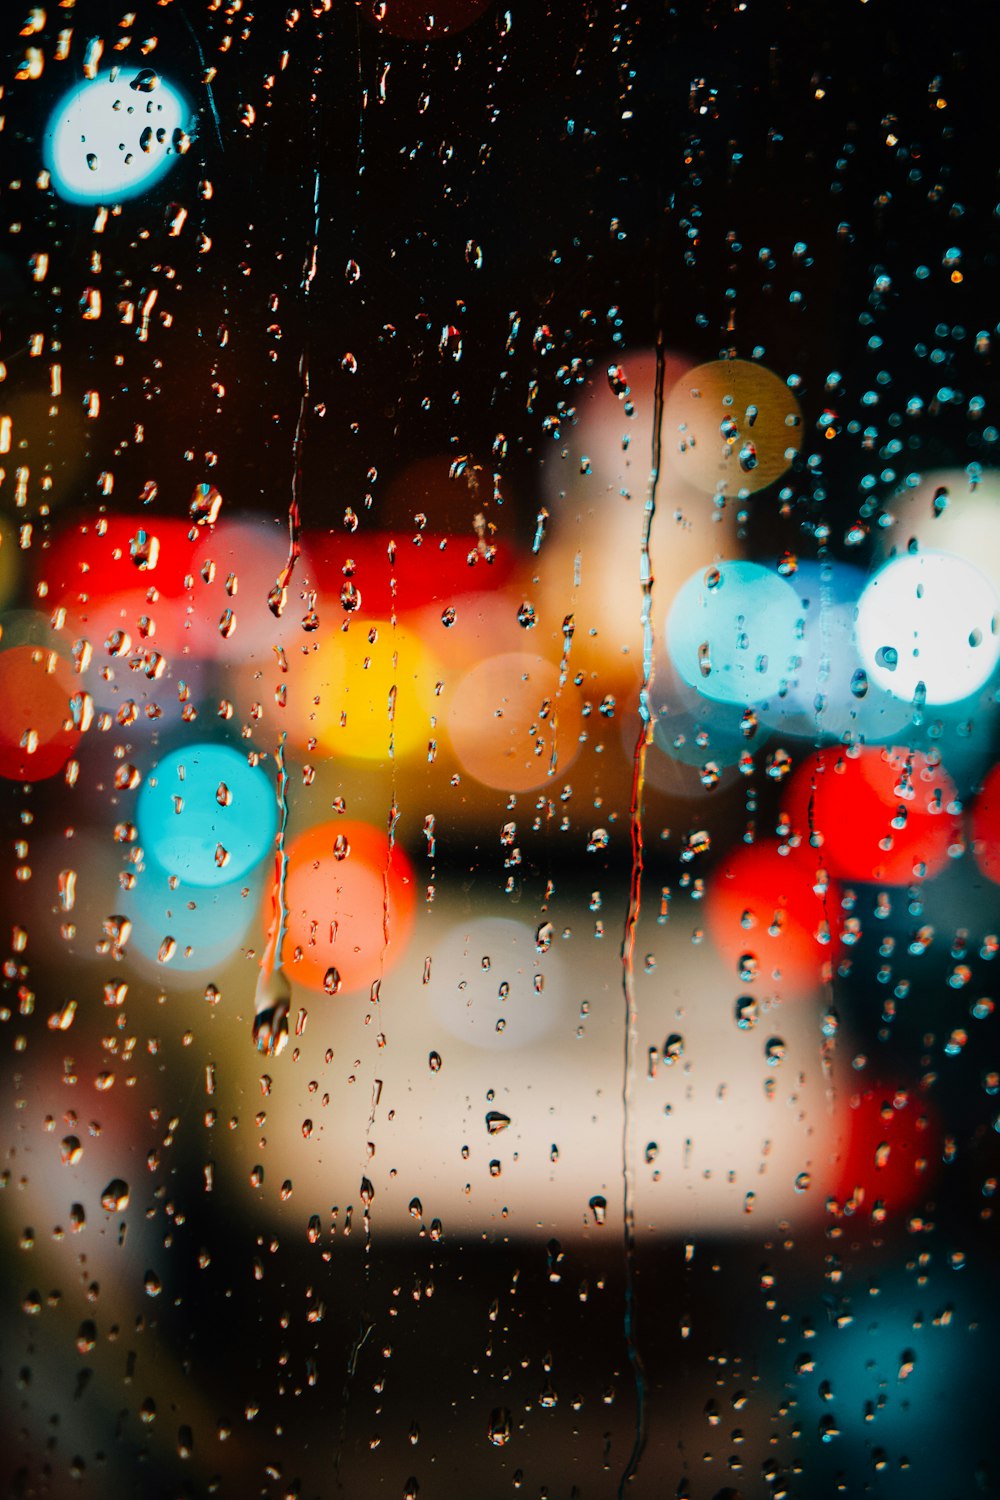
x=278 y=596
x=273 y=994
x=647 y=723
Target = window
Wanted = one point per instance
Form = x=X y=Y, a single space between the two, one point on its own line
x=499 y=587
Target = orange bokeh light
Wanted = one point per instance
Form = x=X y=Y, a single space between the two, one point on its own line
x=338 y=919
x=35 y=689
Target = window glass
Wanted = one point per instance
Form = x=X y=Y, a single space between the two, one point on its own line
x=499 y=757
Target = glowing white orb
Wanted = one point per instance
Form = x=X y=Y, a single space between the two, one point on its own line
x=116 y=135
x=928 y=628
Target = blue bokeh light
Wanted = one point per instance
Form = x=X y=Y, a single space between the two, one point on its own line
x=187 y=929
x=116 y=135
x=182 y=821
x=732 y=632
x=830 y=695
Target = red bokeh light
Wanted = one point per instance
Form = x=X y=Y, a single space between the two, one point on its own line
x=889 y=1144
x=986 y=826
x=766 y=904
x=883 y=815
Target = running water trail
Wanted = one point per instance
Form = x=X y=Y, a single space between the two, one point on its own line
x=647 y=722
x=278 y=596
x=273 y=995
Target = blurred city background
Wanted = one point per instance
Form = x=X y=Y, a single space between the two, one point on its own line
x=500 y=608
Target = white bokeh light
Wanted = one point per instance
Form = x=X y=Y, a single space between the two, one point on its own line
x=929 y=618
x=116 y=135
x=492 y=989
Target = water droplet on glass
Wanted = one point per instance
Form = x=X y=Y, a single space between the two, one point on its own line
x=618 y=381
x=498 y=1431
x=746 y=1012
x=748 y=967
x=673 y=1047
x=270 y=1029
x=114 y=1199
x=774 y=1051
x=205 y=504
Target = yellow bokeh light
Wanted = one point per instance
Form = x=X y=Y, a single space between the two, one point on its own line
x=731 y=427
x=363 y=690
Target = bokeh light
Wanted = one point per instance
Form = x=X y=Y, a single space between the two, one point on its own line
x=116 y=135
x=927 y=628
x=829 y=694
x=350 y=904
x=888 y=1149
x=364 y=691
x=876 y=814
x=590 y=534
x=511 y=725
x=234 y=565
x=731 y=427
x=768 y=915
x=986 y=826
x=37 y=731
x=732 y=632
x=180 y=928
x=949 y=510
x=206 y=815
x=490 y=987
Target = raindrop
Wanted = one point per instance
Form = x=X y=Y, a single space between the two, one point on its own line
x=498 y=1431
x=270 y=1029
x=205 y=504
x=543 y=937
x=746 y=1012
x=618 y=381
x=748 y=967
x=673 y=1048
x=774 y=1051
x=115 y=1197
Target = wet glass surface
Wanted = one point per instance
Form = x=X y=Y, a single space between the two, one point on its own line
x=499 y=756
